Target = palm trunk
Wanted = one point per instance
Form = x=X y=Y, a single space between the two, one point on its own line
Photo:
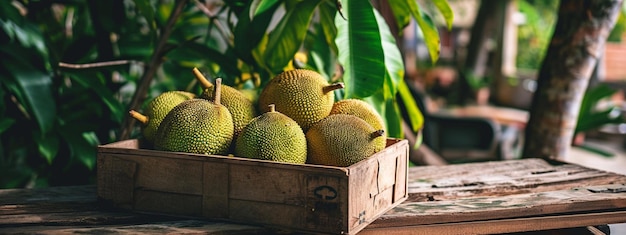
x=579 y=36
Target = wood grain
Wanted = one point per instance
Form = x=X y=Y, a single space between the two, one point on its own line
x=501 y=178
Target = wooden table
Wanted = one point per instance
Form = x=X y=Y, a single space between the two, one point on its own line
x=501 y=115
x=476 y=198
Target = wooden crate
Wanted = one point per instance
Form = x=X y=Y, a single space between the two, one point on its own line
x=300 y=197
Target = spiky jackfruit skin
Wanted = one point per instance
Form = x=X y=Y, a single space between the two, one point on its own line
x=360 y=109
x=241 y=108
x=196 y=126
x=342 y=140
x=299 y=94
x=158 y=107
x=272 y=136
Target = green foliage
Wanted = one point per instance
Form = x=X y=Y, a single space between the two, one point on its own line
x=592 y=114
x=620 y=26
x=62 y=97
x=534 y=35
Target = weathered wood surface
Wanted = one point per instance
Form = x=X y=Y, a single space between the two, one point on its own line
x=578 y=206
x=75 y=209
x=502 y=193
x=477 y=198
x=500 y=178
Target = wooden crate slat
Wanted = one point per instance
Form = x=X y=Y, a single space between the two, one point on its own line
x=250 y=183
x=169 y=175
x=215 y=201
x=167 y=202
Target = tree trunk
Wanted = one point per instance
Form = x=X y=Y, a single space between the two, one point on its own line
x=579 y=35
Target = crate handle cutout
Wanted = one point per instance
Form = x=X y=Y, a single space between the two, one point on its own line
x=325 y=192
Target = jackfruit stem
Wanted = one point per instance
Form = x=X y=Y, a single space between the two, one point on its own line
x=138 y=116
x=272 y=108
x=218 y=90
x=333 y=87
x=203 y=81
x=377 y=134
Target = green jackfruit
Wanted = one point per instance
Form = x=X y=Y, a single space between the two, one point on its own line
x=156 y=110
x=303 y=95
x=360 y=109
x=272 y=136
x=241 y=108
x=342 y=140
x=197 y=126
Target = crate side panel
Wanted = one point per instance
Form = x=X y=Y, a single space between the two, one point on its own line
x=373 y=186
x=116 y=177
x=363 y=192
x=387 y=170
x=215 y=190
x=168 y=203
x=327 y=203
x=266 y=184
x=169 y=174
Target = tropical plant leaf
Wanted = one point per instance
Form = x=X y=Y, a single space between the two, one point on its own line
x=393 y=118
x=195 y=53
x=401 y=13
x=6 y=123
x=107 y=97
x=327 y=12
x=287 y=37
x=446 y=11
x=8 y=12
x=320 y=59
x=26 y=35
x=588 y=118
x=81 y=148
x=87 y=155
x=262 y=6
x=147 y=11
x=249 y=32
x=392 y=58
x=33 y=88
x=597 y=119
x=425 y=23
x=47 y=145
x=416 y=118
x=320 y=56
x=360 y=49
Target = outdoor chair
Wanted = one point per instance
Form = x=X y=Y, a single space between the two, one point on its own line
x=458 y=139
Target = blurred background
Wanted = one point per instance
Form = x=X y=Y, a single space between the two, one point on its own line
x=70 y=70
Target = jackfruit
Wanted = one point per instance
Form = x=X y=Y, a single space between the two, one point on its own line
x=342 y=140
x=197 y=126
x=272 y=136
x=241 y=108
x=303 y=95
x=360 y=109
x=156 y=110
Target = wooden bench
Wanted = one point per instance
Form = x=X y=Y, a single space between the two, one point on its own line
x=475 y=198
